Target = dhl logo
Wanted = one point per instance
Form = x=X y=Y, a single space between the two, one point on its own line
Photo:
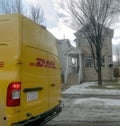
x=40 y=62
x=1 y=64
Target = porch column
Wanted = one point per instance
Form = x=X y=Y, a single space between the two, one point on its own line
x=80 y=75
x=67 y=68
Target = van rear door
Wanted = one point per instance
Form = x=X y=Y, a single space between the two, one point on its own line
x=9 y=68
x=34 y=92
x=54 y=81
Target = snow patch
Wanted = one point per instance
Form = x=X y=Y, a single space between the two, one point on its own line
x=83 y=89
x=95 y=102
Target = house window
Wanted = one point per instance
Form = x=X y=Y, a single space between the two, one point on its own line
x=88 y=61
x=102 y=61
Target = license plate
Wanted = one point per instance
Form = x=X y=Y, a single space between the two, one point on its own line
x=32 y=96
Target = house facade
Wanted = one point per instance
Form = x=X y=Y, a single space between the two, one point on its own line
x=89 y=73
x=62 y=46
x=73 y=72
x=71 y=63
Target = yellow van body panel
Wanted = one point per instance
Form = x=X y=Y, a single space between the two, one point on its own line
x=9 y=68
x=28 y=54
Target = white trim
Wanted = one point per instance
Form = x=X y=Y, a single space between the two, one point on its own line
x=69 y=51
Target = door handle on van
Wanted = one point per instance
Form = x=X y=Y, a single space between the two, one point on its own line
x=52 y=85
x=32 y=89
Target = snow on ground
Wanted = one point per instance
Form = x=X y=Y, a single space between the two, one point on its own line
x=96 y=102
x=90 y=109
x=95 y=109
x=82 y=89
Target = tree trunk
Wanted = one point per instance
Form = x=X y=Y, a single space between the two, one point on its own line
x=99 y=76
x=99 y=72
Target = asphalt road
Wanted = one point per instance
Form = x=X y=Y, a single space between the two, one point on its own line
x=91 y=95
x=56 y=122
x=77 y=123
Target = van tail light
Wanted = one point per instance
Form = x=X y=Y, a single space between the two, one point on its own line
x=13 y=94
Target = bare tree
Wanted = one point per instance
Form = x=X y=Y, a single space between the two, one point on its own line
x=37 y=14
x=16 y=6
x=11 y=6
x=117 y=6
x=5 y=7
x=91 y=17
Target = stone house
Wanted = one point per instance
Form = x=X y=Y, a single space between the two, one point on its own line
x=73 y=73
x=70 y=59
x=77 y=63
x=89 y=73
x=63 y=45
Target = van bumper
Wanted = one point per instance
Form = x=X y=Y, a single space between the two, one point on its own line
x=41 y=119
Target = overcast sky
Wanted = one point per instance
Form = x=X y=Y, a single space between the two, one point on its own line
x=57 y=28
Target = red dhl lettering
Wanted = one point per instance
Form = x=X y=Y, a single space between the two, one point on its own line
x=1 y=64
x=43 y=63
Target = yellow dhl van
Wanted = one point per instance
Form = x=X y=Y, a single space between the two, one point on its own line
x=30 y=82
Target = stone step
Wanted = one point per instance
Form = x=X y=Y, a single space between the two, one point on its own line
x=72 y=79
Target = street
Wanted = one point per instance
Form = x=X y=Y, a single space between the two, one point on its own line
x=92 y=116
x=83 y=124
x=93 y=107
